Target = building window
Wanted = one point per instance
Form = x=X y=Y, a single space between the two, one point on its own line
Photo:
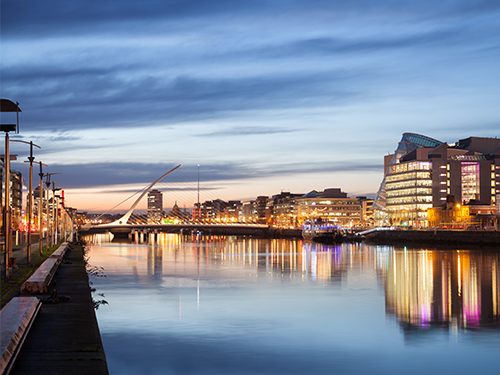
x=470 y=181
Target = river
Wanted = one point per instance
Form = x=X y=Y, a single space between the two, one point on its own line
x=236 y=305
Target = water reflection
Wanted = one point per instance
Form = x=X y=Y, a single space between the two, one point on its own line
x=225 y=305
x=424 y=288
x=447 y=289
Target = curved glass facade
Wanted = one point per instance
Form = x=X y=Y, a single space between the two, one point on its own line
x=411 y=182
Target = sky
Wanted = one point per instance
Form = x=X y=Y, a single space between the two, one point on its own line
x=258 y=97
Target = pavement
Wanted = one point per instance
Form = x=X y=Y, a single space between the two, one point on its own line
x=65 y=337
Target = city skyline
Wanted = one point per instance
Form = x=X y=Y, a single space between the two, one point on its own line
x=262 y=97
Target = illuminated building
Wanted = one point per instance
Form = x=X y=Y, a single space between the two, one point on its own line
x=284 y=209
x=16 y=197
x=155 y=206
x=455 y=215
x=366 y=211
x=262 y=208
x=247 y=212
x=423 y=172
x=217 y=210
x=230 y=213
x=468 y=170
x=331 y=205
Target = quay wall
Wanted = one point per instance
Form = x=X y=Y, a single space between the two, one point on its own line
x=65 y=337
x=438 y=237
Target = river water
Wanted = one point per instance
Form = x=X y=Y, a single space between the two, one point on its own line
x=235 y=305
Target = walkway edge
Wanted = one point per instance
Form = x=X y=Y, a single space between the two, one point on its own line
x=65 y=337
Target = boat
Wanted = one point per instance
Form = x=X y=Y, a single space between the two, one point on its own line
x=323 y=232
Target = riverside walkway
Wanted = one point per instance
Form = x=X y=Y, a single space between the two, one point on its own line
x=65 y=337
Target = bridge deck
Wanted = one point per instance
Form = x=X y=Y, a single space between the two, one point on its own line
x=206 y=229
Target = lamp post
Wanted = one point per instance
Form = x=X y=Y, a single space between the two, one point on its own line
x=8 y=106
x=40 y=209
x=49 y=226
x=30 y=198
x=55 y=215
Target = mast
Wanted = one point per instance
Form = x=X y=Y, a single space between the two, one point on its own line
x=199 y=208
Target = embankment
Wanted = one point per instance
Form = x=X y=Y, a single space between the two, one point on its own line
x=436 y=237
x=65 y=337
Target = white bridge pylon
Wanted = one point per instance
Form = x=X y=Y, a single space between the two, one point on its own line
x=124 y=219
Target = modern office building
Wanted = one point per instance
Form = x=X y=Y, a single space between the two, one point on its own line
x=283 y=208
x=423 y=172
x=155 y=206
x=330 y=205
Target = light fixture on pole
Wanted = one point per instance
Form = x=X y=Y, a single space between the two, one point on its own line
x=54 y=213
x=7 y=105
x=49 y=226
x=30 y=198
x=40 y=210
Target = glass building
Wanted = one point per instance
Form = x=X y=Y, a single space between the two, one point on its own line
x=423 y=172
x=405 y=193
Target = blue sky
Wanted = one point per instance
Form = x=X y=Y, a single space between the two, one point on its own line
x=264 y=95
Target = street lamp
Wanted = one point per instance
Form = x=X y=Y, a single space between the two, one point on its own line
x=40 y=212
x=49 y=227
x=7 y=105
x=55 y=214
x=30 y=203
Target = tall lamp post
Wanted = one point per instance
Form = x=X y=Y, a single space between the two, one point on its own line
x=55 y=213
x=49 y=225
x=40 y=208
x=30 y=198
x=7 y=105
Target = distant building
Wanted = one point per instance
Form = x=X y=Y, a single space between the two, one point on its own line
x=217 y=210
x=423 y=172
x=155 y=206
x=474 y=214
x=16 y=197
x=330 y=205
x=247 y=212
x=366 y=211
x=262 y=209
x=284 y=209
x=209 y=210
x=176 y=215
x=176 y=211
x=231 y=211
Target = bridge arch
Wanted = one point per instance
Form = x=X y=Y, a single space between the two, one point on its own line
x=124 y=219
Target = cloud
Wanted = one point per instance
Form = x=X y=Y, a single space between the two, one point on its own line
x=255 y=130
x=331 y=45
x=121 y=66
x=121 y=173
x=110 y=101
x=312 y=80
x=48 y=138
x=48 y=18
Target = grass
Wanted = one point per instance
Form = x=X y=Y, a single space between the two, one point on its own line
x=12 y=287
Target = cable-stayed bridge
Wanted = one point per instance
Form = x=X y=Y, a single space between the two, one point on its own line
x=124 y=225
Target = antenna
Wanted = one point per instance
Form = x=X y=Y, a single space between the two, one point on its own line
x=199 y=208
